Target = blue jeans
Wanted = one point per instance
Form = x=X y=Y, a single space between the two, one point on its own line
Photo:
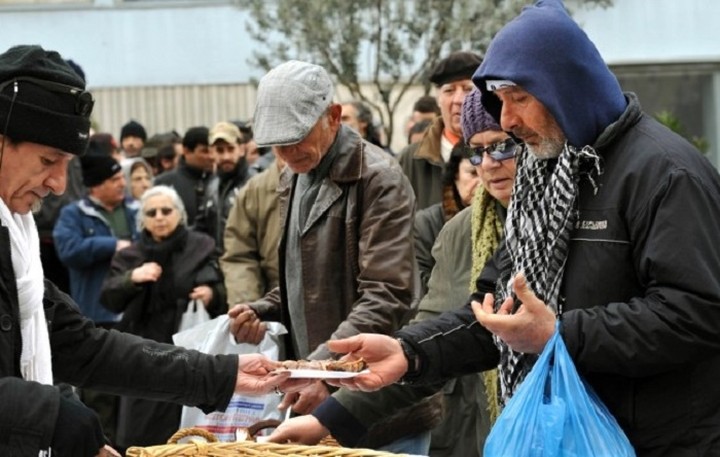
x=415 y=445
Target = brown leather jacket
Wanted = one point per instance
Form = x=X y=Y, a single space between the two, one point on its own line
x=358 y=256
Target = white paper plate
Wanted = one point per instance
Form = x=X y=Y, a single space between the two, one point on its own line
x=322 y=374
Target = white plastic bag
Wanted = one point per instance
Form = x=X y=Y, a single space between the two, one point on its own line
x=195 y=314
x=243 y=411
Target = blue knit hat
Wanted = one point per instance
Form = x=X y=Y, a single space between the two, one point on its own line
x=544 y=51
x=474 y=118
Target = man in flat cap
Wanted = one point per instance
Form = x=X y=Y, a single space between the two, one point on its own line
x=423 y=162
x=45 y=121
x=346 y=251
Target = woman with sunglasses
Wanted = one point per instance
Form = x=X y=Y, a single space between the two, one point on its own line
x=151 y=283
x=461 y=249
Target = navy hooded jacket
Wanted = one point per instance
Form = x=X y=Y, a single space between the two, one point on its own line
x=553 y=59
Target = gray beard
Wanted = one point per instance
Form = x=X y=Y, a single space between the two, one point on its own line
x=35 y=208
x=549 y=148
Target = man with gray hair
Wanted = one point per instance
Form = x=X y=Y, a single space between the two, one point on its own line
x=44 y=339
x=346 y=251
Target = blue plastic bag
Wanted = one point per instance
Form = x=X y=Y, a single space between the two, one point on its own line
x=555 y=413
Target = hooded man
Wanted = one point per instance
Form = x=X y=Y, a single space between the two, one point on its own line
x=612 y=226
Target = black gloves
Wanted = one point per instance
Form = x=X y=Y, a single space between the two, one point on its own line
x=78 y=432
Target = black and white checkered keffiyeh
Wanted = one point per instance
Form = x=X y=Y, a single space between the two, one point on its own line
x=542 y=213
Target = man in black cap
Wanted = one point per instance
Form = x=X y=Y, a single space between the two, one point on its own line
x=194 y=177
x=44 y=122
x=90 y=230
x=132 y=139
x=423 y=162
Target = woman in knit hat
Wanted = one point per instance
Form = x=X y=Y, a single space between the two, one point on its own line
x=492 y=152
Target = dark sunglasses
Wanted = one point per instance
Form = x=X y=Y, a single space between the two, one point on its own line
x=152 y=212
x=503 y=150
x=83 y=100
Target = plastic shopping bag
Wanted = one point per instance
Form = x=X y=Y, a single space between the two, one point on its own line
x=194 y=315
x=214 y=337
x=555 y=413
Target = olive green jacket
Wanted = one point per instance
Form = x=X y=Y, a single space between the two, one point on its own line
x=252 y=235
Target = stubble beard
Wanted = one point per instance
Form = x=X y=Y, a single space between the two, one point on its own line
x=36 y=206
x=548 y=148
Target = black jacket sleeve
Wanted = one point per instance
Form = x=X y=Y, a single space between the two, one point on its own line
x=27 y=416
x=124 y=364
x=454 y=343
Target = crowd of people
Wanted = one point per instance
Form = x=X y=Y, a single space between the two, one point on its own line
x=532 y=191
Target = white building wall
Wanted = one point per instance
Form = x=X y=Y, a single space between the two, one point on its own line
x=137 y=54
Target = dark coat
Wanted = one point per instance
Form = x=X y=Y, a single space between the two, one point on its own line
x=422 y=163
x=193 y=265
x=641 y=293
x=213 y=213
x=192 y=185
x=146 y=422
x=90 y=357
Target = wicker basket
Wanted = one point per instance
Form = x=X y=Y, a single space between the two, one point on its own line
x=212 y=448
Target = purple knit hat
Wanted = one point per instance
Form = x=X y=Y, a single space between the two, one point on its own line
x=474 y=118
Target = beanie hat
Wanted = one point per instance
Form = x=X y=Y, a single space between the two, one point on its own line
x=43 y=100
x=133 y=128
x=455 y=67
x=97 y=168
x=473 y=117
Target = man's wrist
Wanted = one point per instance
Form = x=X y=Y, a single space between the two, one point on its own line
x=413 y=360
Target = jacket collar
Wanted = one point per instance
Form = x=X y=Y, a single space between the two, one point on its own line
x=347 y=166
x=629 y=117
x=197 y=173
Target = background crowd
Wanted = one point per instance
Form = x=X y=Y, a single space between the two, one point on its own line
x=150 y=222
x=512 y=174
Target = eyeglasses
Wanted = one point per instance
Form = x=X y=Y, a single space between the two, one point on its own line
x=83 y=100
x=152 y=212
x=503 y=150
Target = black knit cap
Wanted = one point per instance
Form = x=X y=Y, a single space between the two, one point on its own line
x=97 y=168
x=133 y=128
x=455 y=67
x=56 y=113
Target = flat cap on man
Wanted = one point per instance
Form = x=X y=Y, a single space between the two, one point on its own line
x=291 y=98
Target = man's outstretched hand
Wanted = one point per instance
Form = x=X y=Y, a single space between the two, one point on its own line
x=528 y=329
x=258 y=375
x=383 y=355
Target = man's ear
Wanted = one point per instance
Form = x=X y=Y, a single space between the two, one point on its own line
x=335 y=114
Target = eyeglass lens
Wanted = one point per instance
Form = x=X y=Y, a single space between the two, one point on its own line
x=152 y=212
x=503 y=150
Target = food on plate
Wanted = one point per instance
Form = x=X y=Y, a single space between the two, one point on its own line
x=352 y=366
